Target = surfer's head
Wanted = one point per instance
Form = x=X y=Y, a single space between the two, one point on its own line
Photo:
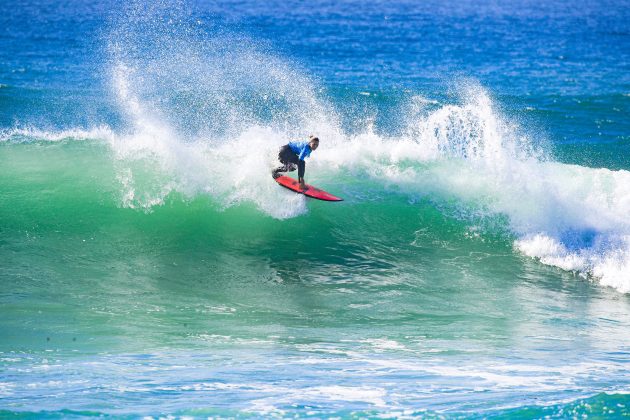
x=313 y=142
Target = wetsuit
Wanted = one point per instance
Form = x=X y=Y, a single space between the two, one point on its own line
x=292 y=155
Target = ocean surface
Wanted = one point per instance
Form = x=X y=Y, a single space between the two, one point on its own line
x=479 y=266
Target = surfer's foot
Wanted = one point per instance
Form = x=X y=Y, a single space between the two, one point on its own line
x=275 y=174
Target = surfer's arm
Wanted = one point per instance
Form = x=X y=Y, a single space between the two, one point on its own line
x=304 y=153
x=301 y=169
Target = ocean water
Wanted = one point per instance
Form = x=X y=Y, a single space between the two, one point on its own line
x=479 y=266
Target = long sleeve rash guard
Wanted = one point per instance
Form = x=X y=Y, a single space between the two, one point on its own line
x=300 y=148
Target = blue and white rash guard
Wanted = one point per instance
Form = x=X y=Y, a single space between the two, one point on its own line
x=300 y=148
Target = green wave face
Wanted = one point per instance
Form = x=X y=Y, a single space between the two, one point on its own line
x=129 y=238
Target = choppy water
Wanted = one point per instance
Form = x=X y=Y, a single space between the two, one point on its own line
x=478 y=267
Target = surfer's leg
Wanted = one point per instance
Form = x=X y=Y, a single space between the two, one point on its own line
x=289 y=167
x=284 y=168
x=282 y=157
x=293 y=162
x=286 y=157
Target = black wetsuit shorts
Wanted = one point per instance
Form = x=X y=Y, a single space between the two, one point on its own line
x=288 y=157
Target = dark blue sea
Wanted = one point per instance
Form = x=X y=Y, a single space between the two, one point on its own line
x=478 y=267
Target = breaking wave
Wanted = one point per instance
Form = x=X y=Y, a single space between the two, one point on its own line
x=203 y=117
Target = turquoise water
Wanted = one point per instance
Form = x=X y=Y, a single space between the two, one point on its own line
x=478 y=267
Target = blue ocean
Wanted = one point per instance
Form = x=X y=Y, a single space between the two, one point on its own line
x=478 y=267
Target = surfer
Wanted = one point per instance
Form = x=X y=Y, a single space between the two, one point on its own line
x=293 y=154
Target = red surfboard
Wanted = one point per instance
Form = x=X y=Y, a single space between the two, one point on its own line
x=309 y=191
